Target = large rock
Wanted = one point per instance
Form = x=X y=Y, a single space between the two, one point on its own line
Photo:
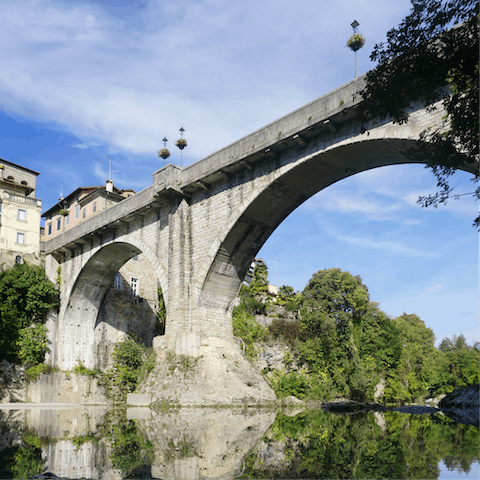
x=462 y=398
x=462 y=405
x=219 y=376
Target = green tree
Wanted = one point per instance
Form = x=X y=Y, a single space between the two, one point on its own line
x=128 y=357
x=334 y=296
x=416 y=371
x=288 y=297
x=334 y=302
x=460 y=365
x=379 y=338
x=26 y=297
x=259 y=283
x=426 y=60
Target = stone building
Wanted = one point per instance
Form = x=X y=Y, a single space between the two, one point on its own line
x=19 y=215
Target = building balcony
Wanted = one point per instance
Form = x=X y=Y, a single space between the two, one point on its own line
x=21 y=199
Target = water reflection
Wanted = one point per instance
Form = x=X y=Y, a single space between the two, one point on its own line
x=228 y=443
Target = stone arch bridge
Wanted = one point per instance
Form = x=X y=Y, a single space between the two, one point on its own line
x=201 y=226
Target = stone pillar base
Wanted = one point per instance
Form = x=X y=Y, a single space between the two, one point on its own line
x=183 y=343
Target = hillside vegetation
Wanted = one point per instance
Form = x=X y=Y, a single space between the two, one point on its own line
x=336 y=343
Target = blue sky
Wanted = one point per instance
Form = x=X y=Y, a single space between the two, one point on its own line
x=85 y=80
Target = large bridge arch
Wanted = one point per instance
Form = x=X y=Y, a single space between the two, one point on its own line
x=78 y=317
x=263 y=211
x=206 y=222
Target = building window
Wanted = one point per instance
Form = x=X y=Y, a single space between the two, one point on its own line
x=21 y=238
x=94 y=206
x=67 y=219
x=84 y=212
x=22 y=215
x=18 y=259
x=49 y=228
x=59 y=224
x=134 y=286
x=117 y=282
x=77 y=210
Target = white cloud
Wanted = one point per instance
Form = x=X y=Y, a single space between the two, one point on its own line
x=412 y=221
x=220 y=70
x=435 y=288
x=387 y=245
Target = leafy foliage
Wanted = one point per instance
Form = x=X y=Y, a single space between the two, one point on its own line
x=123 y=377
x=33 y=344
x=34 y=372
x=28 y=458
x=259 y=283
x=161 y=314
x=80 y=369
x=130 y=450
x=26 y=296
x=334 y=304
x=288 y=297
x=345 y=346
x=426 y=60
x=128 y=356
x=246 y=328
x=460 y=365
x=333 y=297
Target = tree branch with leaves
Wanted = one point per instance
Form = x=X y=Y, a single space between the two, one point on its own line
x=432 y=57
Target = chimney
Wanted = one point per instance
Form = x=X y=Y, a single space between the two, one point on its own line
x=109 y=186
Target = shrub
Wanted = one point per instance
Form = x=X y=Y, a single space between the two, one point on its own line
x=293 y=383
x=287 y=330
x=33 y=344
x=246 y=328
x=34 y=372
x=81 y=370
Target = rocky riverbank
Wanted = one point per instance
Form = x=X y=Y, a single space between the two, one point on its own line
x=461 y=405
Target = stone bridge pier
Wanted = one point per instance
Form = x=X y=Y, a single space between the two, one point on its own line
x=200 y=227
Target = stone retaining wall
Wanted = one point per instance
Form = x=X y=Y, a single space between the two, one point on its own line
x=65 y=387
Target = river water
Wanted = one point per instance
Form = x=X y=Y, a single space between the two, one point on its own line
x=188 y=444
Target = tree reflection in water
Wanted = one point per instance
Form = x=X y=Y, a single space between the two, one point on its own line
x=232 y=443
x=317 y=444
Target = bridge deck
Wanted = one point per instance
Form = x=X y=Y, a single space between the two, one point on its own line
x=326 y=113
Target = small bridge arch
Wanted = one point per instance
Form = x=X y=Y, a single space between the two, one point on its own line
x=85 y=299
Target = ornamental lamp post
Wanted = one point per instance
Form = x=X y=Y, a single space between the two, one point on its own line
x=181 y=143
x=164 y=152
x=355 y=42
